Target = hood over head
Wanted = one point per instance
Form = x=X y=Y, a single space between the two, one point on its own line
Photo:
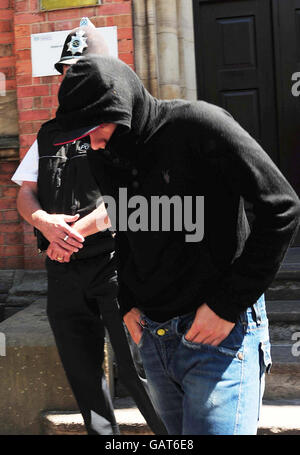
x=100 y=89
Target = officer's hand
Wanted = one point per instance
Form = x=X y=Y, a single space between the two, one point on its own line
x=55 y=228
x=57 y=253
x=132 y=321
x=208 y=327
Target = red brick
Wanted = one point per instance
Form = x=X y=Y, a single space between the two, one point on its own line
x=26 y=140
x=14 y=263
x=123 y=20
x=24 y=80
x=37 y=263
x=28 y=238
x=24 y=54
x=61 y=15
x=36 y=28
x=8 y=251
x=47 y=27
x=26 y=127
x=30 y=251
x=25 y=103
x=7 y=61
x=49 y=101
x=114 y=9
x=7 y=14
x=21 y=6
x=22 y=43
x=23 y=67
x=22 y=30
x=10 y=85
x=11 y=215
x=5 y=26
x=2 y=239
x=36 y=80
x=37 y=125
x=125 y=46
x=9 y=72
x=65 y=25
x=125 y=33
x=5 y=50
x=39 y=114
x=110 y=21
x=14 y=238
x=34 y=5
x=7 y=204
x=11 y=227
x=6 y=37
x=127 y=58
x=54 y=89
x=38 y=90
x=37 y=102
x=46 y=79
x=8 y=167
x=90 y=12
x=27 y=227
x=4 y=4
x=29 y=18
x=100 y=21
x=10 y=191
x=22 y=152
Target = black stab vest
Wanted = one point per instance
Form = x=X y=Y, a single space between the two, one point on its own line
x=65 y=185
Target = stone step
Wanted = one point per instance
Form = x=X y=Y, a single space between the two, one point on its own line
x=278 y=417
x=286 y=285
x=284 y=380
x=129 y=418
x=283 y=310
x=284 y=320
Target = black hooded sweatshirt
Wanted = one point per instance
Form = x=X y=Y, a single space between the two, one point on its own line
x=168 y=148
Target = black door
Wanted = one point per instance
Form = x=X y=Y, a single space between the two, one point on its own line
x=287 y=57
x=246 y=53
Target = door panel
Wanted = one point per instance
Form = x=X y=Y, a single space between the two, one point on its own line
x=235 y=67
x=287 y=51
x=246 y=53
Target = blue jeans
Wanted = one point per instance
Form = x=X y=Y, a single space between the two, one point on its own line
x=199 y=389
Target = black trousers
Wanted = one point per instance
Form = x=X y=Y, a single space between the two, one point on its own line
x=82 y=301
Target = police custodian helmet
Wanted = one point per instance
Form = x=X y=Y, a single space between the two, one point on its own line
x=83 y=40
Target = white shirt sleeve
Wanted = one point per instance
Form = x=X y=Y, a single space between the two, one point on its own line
x=29 y=167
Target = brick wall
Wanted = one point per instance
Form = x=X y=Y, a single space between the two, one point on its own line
x=37 y=98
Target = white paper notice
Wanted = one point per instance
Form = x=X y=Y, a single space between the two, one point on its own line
x=46 y=49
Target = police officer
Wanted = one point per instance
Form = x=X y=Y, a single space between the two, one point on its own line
x=60 y=198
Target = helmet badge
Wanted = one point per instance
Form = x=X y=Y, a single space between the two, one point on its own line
x=78 y=43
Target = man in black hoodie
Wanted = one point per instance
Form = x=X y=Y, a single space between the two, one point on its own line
x=60 y=198
x=193 y=304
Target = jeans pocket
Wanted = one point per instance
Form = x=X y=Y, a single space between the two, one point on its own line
x=212 y=349
x=230 y=346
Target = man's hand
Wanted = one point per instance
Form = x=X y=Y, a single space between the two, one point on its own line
x=208 y=327
x=57 y=253
x=55 y=228
x=132 y=321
